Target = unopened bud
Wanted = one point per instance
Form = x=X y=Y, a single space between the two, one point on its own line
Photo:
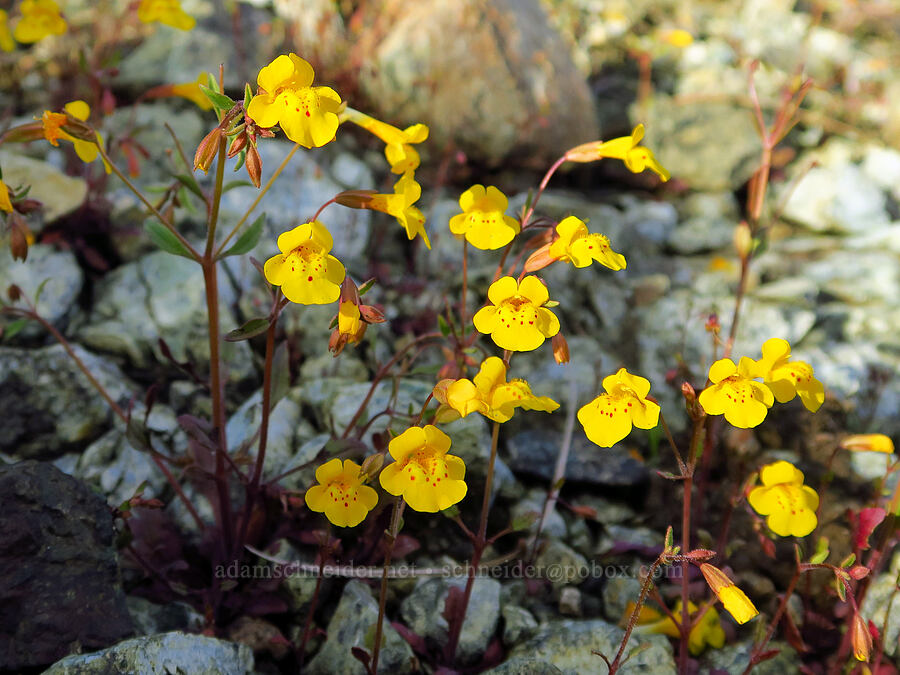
x=743 y=240
x=26 y=206
x=860 y=638
x=691 y=404
x=253 y=164
x=712 y=324
x=79 y=129
x=560 y=348
x=238 y=144
x=349 y=291
x=19 y=236
x=207 y=150
x=337 y=342
x=539 y=259
x=14 y=293
x=23 y=133
x=372 y=465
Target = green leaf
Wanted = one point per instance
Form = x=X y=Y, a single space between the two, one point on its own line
x=841 y=590
x=250 y=329
x=821 y=554
x=443 y=325
x=248 y=239
x=241 y=156
x=212 y=82
x=40 y=289
x=220 y=102
x=230 y=185
x=161 y=236
x=14 y=327
x=248 y=95
x=524 y=521
x=138 y=436
x=366 y=287
x=849 y=560
x=190 y=183
x=670 y=538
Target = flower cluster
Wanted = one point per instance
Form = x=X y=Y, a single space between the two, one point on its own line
x=488 y=393
x=744 y=401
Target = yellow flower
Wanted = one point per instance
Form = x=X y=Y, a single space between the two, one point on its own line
x=609 y=417
x=307 y=114
x=341 y=495
x=5 y=203
x=6 y=39
x=483 y=221
x=517 y=319
x=788 y=378
x=306 y=272
x=423 y=473
x=400 y=205
x=868 y=443
x=40 y=18
x=87 y=151
x=192 y=92
x=168 y=12
x=733 y=598
x=743 y=401
x=349 y=322
x=398 y=143
x=790 y=506
x=677 y=37
x=579 y=247
x=636 y=157
x=490 y=394
x=707 y=631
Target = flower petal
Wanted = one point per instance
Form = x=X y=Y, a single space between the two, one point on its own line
x=532 y=288
x=503 y=288
x=275 y=75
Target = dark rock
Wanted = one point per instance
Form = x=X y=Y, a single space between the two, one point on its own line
x=59 y=585
x=534 y=452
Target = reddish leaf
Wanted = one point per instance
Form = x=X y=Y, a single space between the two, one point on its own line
x=792 y=634
x=858 y=572
x=583 y=511
x=416 y=641
x=362 y=656
x=867 y=521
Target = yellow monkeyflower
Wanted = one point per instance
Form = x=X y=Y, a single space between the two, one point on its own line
x=6 y=39
x=637 y=158
x=868 y=443
x=517 y=320
x=790 y=506
x=787 y=378
x=189 y=90
x=734 y=393
x=733 y=598
x=400 y=205
x=306 y=272
x=168 y=12
x=609 y=417
x=40 y=18
x=707 y=631
x=307 y=114
x=490 y=394
x=341 y=495
x=398 y=143
x=482 y=221
x=580 y=247
x=87 y=151
x=427 y=478
x=5 y=203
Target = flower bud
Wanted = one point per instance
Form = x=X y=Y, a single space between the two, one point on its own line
x=539 y=259
x=560 y=348
x=355 y=199
x=207 y=150
x=743 y=240
x=14 y=293
x=26 y=206
x=19 y=236
x=868 y=443
x=712 y=324
x=253 y=164
x=349 y=291
x=372 y=464
x=860 y=638
x=79 y=129
x=238 y=144
x=371 y=314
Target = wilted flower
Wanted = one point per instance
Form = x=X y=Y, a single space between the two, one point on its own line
x=868 y=443
x=733 y=598
x=636 y=157
x=398 y=148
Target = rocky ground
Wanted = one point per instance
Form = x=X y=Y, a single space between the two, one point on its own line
x=561 y=72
